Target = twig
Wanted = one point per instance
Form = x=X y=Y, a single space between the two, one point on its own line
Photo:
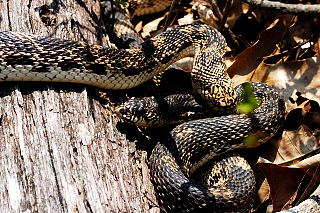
x=222 y=19
x=225 y=14
x=166 y=24
x=286 y=8
x=216 y=10
x=112 y=10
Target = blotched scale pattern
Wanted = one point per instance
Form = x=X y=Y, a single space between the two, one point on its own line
x=162 y=111
x=36 y=58
x=193 y=144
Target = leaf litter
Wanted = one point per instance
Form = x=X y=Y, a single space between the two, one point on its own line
x=285 y=54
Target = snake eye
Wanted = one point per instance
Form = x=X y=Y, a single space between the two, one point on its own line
x=140 y=109
x=132 y=111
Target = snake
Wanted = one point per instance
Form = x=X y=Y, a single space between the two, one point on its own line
x=189 y=146
x=37 y=58
x=162 y=111
x=229 y=184
x=218 y=135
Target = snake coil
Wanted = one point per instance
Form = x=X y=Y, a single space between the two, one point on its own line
x=191 y=144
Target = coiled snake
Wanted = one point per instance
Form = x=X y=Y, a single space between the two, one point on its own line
x=191 y=144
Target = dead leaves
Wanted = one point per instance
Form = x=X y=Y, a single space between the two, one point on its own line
x=285 y=54
x=250 y=58
x=292 y=163
x=292 y=166
x=293 y=169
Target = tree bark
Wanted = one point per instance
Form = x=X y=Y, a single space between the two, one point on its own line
x=60 y=149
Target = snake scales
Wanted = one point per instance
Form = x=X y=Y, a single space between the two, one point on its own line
x=32 y=58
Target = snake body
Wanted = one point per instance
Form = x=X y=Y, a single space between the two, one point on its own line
x=162 y=111
x=31 y=58
x=191 y=144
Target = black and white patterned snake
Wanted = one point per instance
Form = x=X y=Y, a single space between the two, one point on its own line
x=190 y=145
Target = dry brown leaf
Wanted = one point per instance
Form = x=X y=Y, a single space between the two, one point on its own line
x=237 y=9
x=205 y=12
x=184 y=64
x=187 y=19
x=248 y=60
x=296 y=155
x=207 y=15
x=264 y=191
x=151 y=27
x=302 y=76
x=283 y=183
x=316 y=48
x=138 y=26
x=294 y=145
x=288 y=185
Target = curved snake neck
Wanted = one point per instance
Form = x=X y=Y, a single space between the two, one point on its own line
x=31 y=58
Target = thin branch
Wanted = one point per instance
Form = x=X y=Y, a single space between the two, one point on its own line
x=166 y=25
x=226 y=12
x=220 y=16
x=216 y=10
x=286 y=8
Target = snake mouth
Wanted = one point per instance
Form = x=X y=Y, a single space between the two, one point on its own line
x=126 y=113
x=133 y=111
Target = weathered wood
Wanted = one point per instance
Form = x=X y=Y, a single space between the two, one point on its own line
x=60 y=149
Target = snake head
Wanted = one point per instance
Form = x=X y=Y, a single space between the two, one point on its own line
x=138 y=111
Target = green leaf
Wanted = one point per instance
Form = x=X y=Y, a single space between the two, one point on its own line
x=248 y=102
x=121 y=2
x=251 y=141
